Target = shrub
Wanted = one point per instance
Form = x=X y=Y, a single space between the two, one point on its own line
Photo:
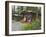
x=36 y=24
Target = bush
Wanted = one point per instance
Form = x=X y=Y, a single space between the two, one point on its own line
x=36 y=24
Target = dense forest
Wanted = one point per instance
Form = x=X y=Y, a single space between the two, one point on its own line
x=25 y=14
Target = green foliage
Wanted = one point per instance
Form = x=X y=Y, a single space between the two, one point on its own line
x=25 y=8
x=27 y=27
x=17 y=18
x=36 y=24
